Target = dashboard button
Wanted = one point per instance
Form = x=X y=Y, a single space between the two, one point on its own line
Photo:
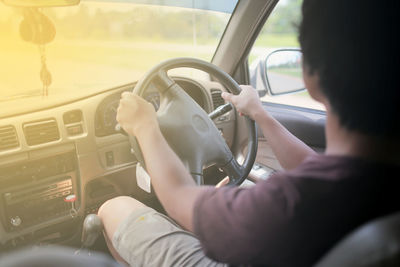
x=75 y=130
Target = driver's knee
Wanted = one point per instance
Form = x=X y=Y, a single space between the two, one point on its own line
x=115 y=210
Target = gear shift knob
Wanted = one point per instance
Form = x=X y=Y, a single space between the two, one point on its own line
x=92 y=228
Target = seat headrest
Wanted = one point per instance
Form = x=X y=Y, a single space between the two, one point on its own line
x=376 y=243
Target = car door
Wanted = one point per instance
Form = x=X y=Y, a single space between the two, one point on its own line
x=256 y=29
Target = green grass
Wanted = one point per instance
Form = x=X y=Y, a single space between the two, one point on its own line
x=140 y=57
x=277 y=40
x=78 y=65
x=75 y=64
x=273 y=41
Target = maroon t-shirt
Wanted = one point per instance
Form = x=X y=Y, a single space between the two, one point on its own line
x=294 y=217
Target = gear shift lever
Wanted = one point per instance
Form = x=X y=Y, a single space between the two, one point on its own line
x=92 y=228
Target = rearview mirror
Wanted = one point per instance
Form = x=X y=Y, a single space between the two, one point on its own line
x=40 y=3
x=284 y=71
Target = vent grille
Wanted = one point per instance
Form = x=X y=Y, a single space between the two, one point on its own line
x=41 y=132
x=216 y=98
x=8 y=138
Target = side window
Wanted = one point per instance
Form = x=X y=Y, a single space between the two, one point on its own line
x=279 y=31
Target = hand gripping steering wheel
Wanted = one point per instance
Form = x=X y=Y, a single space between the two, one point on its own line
x=187 y=127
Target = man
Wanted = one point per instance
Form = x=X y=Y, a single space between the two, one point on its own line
x=293 y=218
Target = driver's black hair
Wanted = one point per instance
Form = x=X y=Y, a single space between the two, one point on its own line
x=352 y=46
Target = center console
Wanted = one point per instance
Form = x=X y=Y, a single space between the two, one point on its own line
x=35 y=192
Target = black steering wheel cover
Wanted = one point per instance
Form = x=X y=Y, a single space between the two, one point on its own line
x=159 y=72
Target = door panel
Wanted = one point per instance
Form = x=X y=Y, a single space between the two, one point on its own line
x=306 y=124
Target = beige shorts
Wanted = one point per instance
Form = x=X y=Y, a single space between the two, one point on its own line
x=149 y=238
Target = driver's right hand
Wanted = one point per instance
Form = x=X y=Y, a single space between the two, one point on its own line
x=247 y=102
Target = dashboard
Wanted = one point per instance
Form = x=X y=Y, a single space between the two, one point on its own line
x=59 y=164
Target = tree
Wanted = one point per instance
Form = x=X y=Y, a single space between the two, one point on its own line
x=284 y=18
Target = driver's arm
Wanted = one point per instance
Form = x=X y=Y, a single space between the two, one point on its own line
x=172 y=183
x=289 y=150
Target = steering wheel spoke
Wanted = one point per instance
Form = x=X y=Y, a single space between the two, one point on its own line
x=162 y=81
x=234 y=170
x=195 y=168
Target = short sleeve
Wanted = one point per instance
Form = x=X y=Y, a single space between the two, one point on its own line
x=234 y=225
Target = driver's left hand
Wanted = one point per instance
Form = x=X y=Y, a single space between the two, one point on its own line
x=135 y=114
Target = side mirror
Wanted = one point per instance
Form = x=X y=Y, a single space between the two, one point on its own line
x=283 y=71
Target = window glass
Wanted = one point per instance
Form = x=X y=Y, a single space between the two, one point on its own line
x=280 y=31
x=98 y=45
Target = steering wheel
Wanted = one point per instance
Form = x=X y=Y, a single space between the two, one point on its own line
x=187 y=127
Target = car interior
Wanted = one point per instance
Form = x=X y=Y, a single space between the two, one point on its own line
x=62 y=157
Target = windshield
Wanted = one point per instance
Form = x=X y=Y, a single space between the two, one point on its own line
x=97 y=45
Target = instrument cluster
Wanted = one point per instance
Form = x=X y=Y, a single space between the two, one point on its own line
x=105 y=120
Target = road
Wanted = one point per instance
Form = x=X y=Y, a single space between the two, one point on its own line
x=281 y=83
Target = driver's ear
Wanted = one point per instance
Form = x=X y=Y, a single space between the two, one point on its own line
x=311 y=82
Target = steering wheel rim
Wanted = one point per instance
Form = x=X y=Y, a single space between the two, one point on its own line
x=197 y=124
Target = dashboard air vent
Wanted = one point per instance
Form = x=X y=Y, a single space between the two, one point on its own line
x=8 y=138
x=41 y=132
x=216 y=98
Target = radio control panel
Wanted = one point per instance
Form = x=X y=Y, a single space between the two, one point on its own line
x=36 y=191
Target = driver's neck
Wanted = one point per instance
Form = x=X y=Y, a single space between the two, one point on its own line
x=343 y=142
